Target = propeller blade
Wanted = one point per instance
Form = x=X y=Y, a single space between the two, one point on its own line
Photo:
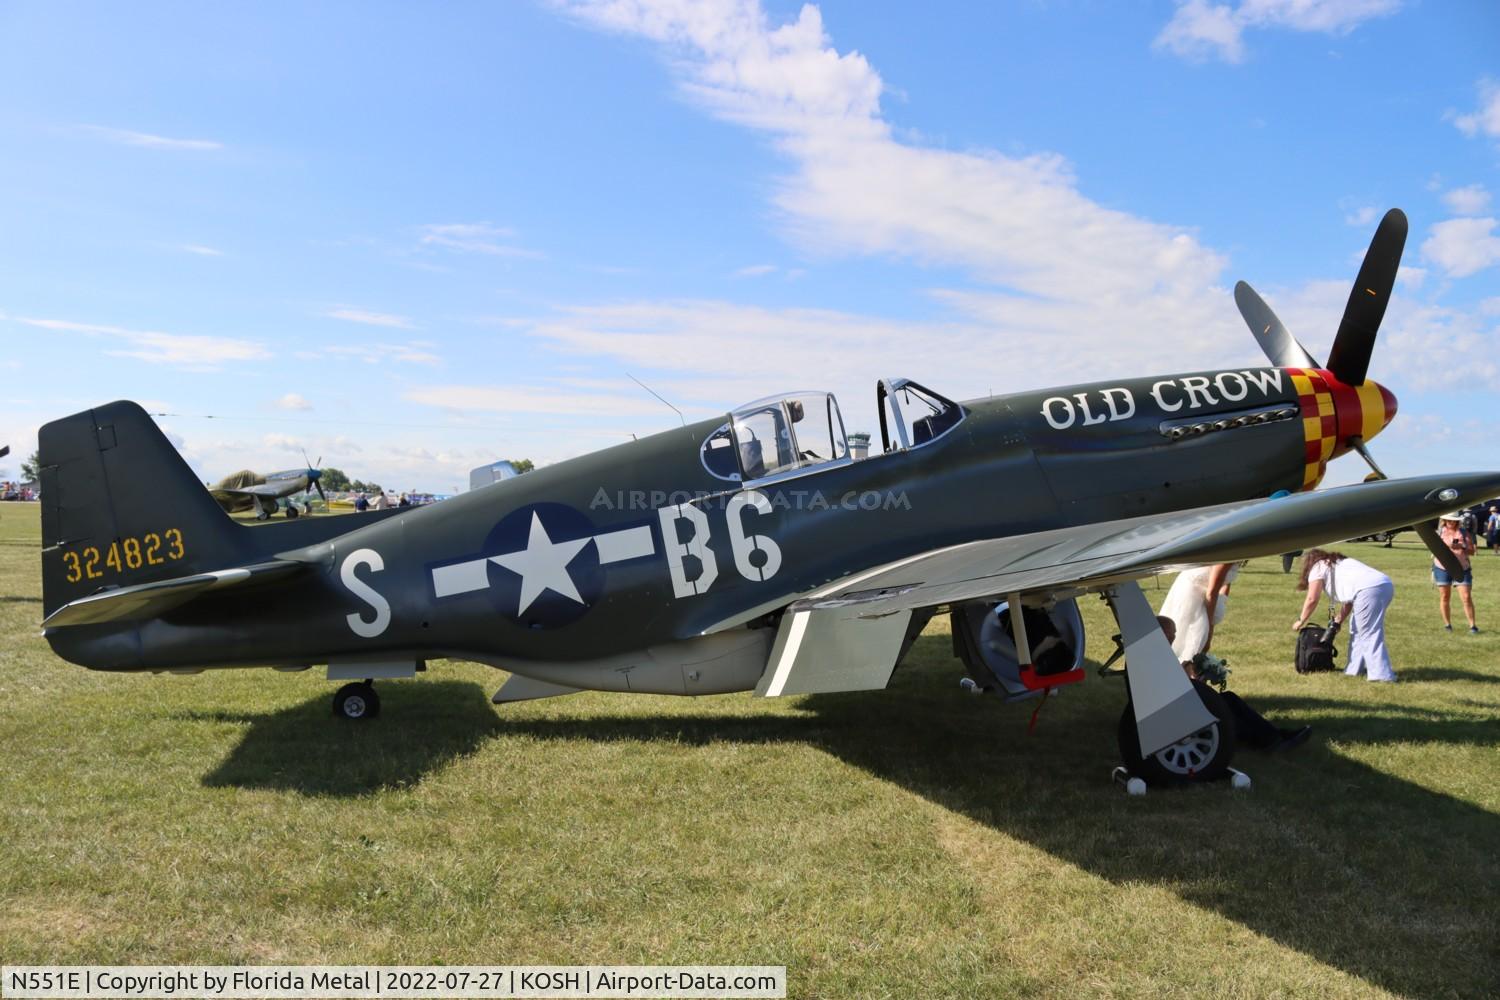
x=1428 y=532
x=1349 y=360
x=318 y=485
x=1274 y=338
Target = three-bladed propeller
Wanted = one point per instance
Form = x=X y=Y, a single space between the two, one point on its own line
x=315 y=473
x=1349 y=359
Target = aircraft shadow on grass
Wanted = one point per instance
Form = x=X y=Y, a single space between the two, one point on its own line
x=304 y=749
x=1366 y=865
x=1411 y=674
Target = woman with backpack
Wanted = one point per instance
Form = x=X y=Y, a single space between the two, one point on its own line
x=1360 y=590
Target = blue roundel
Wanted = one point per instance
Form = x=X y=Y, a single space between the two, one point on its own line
x=544 y=568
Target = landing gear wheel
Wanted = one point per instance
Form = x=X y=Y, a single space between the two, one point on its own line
x=356 y=701
x=1200 y=756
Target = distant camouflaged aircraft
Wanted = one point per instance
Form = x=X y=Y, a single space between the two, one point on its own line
x=752 y=552
x=251 y=491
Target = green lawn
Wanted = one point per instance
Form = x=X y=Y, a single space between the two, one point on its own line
x=911 y=842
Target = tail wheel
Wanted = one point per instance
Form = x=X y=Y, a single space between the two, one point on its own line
x=1200 y=756
x=356 y=701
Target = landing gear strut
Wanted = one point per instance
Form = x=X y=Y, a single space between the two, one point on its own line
x=357 y=701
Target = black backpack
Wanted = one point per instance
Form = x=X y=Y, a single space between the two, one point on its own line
x=1315 y=649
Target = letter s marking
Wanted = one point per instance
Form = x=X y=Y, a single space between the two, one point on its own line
x=366 y=593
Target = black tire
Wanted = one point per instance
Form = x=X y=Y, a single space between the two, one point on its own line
x=1203 y=756
x=356 y=702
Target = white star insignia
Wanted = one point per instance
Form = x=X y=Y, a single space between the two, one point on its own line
x=543 y=565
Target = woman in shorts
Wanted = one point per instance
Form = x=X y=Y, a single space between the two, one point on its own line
x=1461 y=544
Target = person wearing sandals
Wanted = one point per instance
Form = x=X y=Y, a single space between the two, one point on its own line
x=1360 y=591
x=1461 y=543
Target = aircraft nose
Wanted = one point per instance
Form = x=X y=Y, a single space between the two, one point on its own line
x=1379 y=405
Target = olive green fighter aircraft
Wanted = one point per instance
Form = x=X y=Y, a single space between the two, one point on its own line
x=753 y=551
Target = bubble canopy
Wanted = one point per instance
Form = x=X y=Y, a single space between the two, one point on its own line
x=791 y=433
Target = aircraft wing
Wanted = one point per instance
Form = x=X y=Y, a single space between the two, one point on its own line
x=147 y=600
x=1135 y=547
x=272 y=490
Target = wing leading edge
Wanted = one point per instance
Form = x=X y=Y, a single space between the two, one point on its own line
x=1120 y=550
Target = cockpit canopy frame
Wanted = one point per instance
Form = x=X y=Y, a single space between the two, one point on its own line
x=777 y=437
x=917 y=415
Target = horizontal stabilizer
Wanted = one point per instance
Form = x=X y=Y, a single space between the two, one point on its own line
x=147 y=600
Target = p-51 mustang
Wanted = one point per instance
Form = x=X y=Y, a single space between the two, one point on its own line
x=251 y=491
x=752 y=552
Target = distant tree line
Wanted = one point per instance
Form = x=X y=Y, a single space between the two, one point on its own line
x=338 y=481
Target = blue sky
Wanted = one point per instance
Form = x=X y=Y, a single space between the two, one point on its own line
x=414 y=238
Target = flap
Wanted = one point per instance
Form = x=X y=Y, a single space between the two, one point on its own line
x=833 y=650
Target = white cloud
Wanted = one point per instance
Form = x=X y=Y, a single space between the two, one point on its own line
x=1360 y=216
x=190 y=352
x=1017 y=221
x=1200 y=29
x=755 y=271
x=200 y=250
x=988 y=343
x=1078 y=272
x=293 y=401
x=1462 y=247
x=474 y=237
x=282 y=442
x=1420 y=346
x=1485 y=120
x=1064 y=288
x=530 y=400
x=1470 y=200
x=369 y=318
x=414 y=353
x=1409 y=277
x=187 y=351
x=149 y=141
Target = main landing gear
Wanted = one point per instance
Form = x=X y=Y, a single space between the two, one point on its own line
x=1202 y=755
x=1174 y=730
x=357 y=701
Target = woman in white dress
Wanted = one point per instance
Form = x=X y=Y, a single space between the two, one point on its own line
x=1197 y=603
x=1362 y=593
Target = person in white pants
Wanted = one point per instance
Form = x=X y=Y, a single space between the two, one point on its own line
x=1360 y=590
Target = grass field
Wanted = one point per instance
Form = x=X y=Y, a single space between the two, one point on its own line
x=911 y=842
